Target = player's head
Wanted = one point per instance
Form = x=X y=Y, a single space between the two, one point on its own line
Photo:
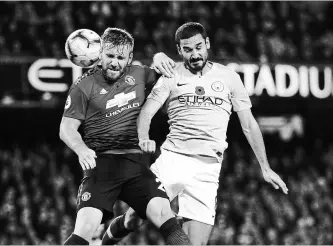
x=116 y=52
x=192 y=45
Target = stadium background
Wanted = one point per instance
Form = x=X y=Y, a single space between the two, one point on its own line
x=263 y=41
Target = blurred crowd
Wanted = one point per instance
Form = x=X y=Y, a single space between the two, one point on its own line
x=241 y=31
x=39 y=187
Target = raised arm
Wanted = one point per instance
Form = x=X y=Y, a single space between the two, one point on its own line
x=163 y=64
x=253 y=135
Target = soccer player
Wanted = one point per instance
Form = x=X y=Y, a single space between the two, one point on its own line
x=199 y=99
x=106 y=102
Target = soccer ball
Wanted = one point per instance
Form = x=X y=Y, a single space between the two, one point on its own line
x=82 y=47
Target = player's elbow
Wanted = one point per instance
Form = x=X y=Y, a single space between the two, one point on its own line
x=246 y=130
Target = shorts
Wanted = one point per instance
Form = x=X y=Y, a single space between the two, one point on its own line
x=125 y=177
x=194 y=179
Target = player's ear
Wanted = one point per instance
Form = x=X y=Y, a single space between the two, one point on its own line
x=130 y=58
x=179 y=49
x=207 y=43
x=100 y=52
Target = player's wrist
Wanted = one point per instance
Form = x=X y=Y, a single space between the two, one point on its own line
x=143 y=136
x=143 y=139
x=79 y=147
x=265 y=168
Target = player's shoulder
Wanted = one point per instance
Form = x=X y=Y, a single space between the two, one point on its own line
x=179 y=73
x=179 y=68
x=87 y=77
x=139 y=67
x=229 y=76
x=87 y=80
x=222 y=68
x=140 y=71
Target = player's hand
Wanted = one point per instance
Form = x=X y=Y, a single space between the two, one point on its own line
x=147 y=145
x=271 y=177
x=163 y=64
x=86 y=158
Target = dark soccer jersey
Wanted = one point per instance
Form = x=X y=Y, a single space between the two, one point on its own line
x=109 y=111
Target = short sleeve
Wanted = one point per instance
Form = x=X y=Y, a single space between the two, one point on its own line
x=239 y=97
x=76 y=104
x=161 y=90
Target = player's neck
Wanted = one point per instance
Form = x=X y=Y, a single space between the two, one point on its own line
x=208 y=66
x=112 y=81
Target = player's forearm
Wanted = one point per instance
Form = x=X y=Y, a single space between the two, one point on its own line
x=72 y=138
x=143 y=125
x=256 y=141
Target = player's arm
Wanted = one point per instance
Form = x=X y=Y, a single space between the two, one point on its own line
x=70 y=135
x=253 y=135
x=242 y=105
x=148 y=111
x=155 y=100
x=74 y=114
x=163 y=64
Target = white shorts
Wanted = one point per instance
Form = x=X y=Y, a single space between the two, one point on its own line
x=194 y=179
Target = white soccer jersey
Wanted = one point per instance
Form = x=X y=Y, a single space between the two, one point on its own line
x=199 y=108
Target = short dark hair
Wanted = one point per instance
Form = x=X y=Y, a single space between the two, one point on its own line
x=188 y=30
x=117 y=36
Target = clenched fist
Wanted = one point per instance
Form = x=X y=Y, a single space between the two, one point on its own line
x=147 y=145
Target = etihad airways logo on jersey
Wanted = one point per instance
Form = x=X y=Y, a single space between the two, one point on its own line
x=194 y=100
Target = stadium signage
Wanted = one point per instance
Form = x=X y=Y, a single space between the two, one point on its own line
x=279 y=80
x=289 y=80
x=47 y=68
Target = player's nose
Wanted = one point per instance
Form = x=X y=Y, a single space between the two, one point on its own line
x=196 y=57
x=113 y=63
x=194 y=54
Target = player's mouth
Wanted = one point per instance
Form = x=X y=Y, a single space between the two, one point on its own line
x=113 y=69
x=196 y=62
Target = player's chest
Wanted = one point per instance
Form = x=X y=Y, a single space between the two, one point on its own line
x=208 y=86
x=118 y=96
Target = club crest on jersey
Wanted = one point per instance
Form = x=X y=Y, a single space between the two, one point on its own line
x=103 y=92
x=129 y=80
x=85 y=196
x=68 y=102
x=218 y=86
